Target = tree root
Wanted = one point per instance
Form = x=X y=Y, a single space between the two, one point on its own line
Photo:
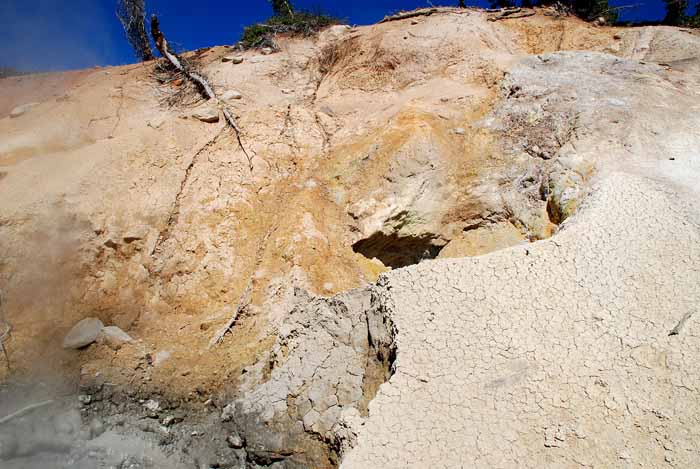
x=202 y=85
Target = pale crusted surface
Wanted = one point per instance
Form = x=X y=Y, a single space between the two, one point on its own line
x=557 y=354
x=561 y=353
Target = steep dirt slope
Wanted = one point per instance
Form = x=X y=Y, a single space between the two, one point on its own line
x=374 y=148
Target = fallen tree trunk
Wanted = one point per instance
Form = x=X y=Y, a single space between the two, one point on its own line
x=409 y=14
x=199 y=81
x=512 y=16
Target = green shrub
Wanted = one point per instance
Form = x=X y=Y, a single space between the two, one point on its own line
x=298 y=24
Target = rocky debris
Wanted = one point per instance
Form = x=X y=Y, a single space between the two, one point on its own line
x=207 y=113
x=231 y=94
x=266 y=51
x=330 y=356
x=114 y=337
x=21 y=110
x=83 y=333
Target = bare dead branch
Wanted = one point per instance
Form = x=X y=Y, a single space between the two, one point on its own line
x=200 y=82
x=243 y=302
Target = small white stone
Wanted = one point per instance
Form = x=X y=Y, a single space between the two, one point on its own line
x=235 y=441
x=152 y=405
x=266 y=51
x=231 y=94
x=207 y=113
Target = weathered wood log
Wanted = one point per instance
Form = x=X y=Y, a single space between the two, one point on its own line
x=511 y=15
x=409 y=14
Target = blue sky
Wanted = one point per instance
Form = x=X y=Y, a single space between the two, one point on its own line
x=49 y=35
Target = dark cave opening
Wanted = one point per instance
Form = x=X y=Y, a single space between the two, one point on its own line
x=397 y=251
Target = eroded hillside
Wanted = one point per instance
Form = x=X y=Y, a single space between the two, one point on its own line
x=556 y=164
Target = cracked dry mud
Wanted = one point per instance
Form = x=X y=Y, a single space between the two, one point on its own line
x=464 y=244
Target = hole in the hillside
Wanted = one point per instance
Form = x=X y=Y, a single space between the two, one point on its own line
x=397 y=251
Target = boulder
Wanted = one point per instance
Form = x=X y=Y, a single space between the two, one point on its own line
x=83 y=334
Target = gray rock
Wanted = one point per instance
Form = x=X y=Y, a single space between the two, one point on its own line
x=234 y=59
x=459 y=131
x=207 y=113
x=21 y=110
x=266 y=51
x=83 y=334
x=231 y=94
